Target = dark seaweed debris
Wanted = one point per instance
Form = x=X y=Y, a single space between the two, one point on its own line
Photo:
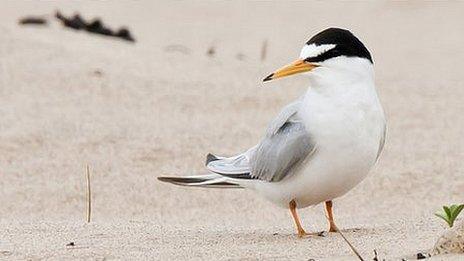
x=76 y=22
x=35 y=20
x=96 y=26
x=421 y=256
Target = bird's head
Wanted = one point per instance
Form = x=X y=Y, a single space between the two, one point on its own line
x=331 y=48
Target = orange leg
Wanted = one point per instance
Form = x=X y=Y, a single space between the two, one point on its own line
x=328 y=208
x=301 y=232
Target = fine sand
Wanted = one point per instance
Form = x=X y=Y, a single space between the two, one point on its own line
x=134 y=112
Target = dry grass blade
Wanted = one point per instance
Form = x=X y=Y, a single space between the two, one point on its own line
x=89 y=195
x=264 y=50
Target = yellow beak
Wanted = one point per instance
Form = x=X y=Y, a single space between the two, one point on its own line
x=298 y=66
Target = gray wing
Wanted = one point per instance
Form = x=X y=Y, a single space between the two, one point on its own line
x=286 y=145
x=278 y=155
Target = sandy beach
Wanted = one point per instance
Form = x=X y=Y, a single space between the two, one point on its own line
x=192 y=84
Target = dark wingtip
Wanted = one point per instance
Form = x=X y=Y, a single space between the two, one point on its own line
x=210 y=157
x=181 y=180
x=268 y=78
x=164 y=179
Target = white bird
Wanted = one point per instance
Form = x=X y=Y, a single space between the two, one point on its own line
x=320 y=146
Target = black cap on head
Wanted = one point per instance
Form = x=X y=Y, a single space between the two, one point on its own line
x=346 y=45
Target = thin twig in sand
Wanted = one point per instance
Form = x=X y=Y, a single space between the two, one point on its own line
x=350 y=245
x=89 y=195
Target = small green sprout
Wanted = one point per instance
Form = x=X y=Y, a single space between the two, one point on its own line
x=449 y=214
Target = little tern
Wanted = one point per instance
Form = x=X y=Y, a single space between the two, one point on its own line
x=318 y=147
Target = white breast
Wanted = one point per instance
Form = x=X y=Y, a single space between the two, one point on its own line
x=347 y=131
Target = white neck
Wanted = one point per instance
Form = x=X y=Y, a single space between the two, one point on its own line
x=343 y=80
x=342 y=93
x=342 y=73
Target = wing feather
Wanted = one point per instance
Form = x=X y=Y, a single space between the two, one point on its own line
x=278 y=155
x=286 y=144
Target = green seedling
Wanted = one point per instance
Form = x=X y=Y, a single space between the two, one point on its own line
x=449 y=214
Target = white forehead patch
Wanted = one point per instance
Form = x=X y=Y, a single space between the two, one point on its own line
x=314 y=50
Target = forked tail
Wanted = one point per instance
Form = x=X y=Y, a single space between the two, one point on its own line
x=205 y=181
